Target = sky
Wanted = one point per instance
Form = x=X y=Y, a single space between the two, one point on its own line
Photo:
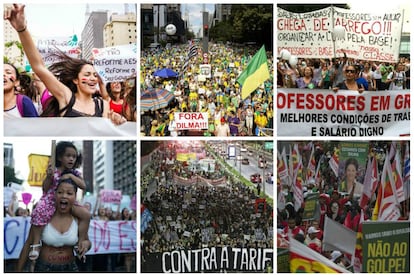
x=195 y=15
x=22 y=149
x=50 y=20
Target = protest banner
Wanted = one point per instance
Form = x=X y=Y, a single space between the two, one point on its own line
x=7 y=196
x=64 y=127
x=106 y=236
x=191 y=121
x=209 y=259
x=38 y=166
x=311 y=204
x=367 y=35
x=342 y=114
x=117 y=63
x=111 y=196
x=205 y=70
x=49 y=45
x=386 y=247
x=353 y=150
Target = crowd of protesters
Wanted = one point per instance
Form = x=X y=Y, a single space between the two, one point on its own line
x=219 y=95
x=313 y=73
x=120 y=262
x=339 y=204
x=198 y=215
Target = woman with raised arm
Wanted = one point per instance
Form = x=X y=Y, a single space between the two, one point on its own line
x=71 y=81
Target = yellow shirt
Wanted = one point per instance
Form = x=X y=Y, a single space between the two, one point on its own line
x=261 y=121
x=192 y=96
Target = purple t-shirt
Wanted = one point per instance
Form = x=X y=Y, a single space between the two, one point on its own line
x=234 y=130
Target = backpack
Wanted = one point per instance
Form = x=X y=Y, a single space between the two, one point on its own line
x=19 y=103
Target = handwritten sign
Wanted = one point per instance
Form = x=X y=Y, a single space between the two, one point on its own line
x=111 y=196
x=191 y=121
x=368 y=36
x=49 y=45
x=106 y=237
x=116 y=63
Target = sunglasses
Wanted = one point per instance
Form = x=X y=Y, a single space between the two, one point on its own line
x=350 y=71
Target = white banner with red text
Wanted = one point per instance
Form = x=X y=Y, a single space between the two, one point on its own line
x=191 y=121
x=106 y=236
x=344 y=113
x=331 y=31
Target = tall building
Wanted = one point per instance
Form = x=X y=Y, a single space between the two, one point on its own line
x=115 y=166
x=87 y=164
x=154 y=18
x=12 y=53
x=222 y=12
x=92 y=33
x=8 y=156
x=103 y=165
x=120 y=30
x=125 y=166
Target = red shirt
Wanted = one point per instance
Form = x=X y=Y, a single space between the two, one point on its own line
x=116 y=107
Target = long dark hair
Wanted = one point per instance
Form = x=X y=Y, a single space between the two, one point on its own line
x=65 y=70
x=111 y=94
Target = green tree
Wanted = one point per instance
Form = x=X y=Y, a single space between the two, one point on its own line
x=223 y=31
x=247 y=23
x=253 y=23
x=8 y=46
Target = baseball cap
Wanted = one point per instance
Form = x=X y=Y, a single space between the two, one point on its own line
x=312 y=230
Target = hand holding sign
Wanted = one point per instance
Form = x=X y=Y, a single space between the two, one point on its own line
x=111 y=196
x=27 y=197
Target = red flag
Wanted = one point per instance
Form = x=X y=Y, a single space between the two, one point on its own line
x=334 y=162
x=396 y=179
x=386 y=207
x=297 y=189
x=348 y=221
x=303 y=259
x=370 y=182
x=282 y=169
x=310 y=171
x=406 y=171
x=357 y=257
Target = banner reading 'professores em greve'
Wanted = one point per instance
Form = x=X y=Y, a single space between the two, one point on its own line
x=345 y=113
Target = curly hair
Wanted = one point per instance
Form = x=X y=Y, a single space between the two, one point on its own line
x=60 y=151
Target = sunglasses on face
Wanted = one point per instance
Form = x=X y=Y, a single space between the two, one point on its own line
x=350 y=71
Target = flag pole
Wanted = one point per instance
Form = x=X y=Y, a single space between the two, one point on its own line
x=53 y=154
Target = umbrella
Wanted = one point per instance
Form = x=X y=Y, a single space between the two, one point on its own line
x=154 y=99
x=165 y=73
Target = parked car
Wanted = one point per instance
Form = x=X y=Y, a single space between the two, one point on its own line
x=245 y=161
x=256 y=178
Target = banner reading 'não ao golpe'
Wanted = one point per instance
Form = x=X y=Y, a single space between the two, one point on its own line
x=386 y=247
x=344 y=113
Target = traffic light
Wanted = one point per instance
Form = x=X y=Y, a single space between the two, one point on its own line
x=205 y=27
